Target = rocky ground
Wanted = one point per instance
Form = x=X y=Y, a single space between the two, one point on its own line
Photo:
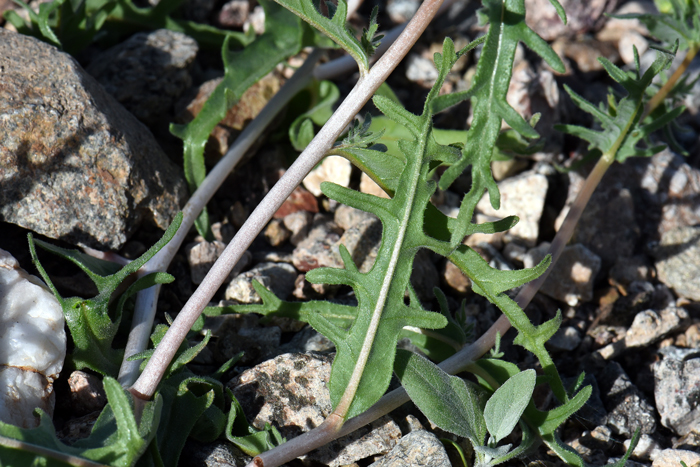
x=94 y=165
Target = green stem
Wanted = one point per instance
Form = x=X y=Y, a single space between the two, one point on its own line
x=662 y=93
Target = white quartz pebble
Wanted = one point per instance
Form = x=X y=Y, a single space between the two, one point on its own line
x=32 y=344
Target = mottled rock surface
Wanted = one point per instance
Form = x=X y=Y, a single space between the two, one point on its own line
x=148 y=72
x=678 y=261
x=416 y=449
x=649 y=326
x=290 y=392
x=74 y=164
x=522 y=196
x=573 y=275
x=278 y=277
x=627 y=407
x=676 y=390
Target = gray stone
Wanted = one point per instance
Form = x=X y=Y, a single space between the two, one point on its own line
x=400 y=11
x=677 y=390
x=566 y=338
x=148 y=72
x=216 y=454
x=678 y=261
x=673 y=458
x=581 y=17
x=627 y=407
x=455 y=278
x=202 y=256
x=255 y=343
x=74 y=164
x=420 y=70
x=674 y=186
x=522 y=196
x=298 y=223
x=572 y=277
x=649 y=327
x=277 y=277
x=347 y=216
x=417 y=449
x=627 y=270
x=646 y=448
x=234 y=13
x=307 y=340
x=334 y=169
x=425 y=276
x=290 y=392
x=317 y=249
x=276 y=233
x=362 y=241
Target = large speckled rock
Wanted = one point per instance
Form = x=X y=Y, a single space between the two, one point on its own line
x=416 y=449
x=290 y=392
x=148 y=72
x=678 y=261
x=74 y=164
x=32 y=344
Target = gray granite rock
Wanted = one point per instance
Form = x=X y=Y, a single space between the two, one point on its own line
x=572 y=278
x=317 y=249
x=347 y=216
x=74 y=164
x=677 y=390
x=627 y=407
x=421 y=70
x=298 y=223
x=278 y=277
x=233 y=14
x=291 y=393
x=673 y=458
x=201 y=257
x=673 y=185
x=400 y=11
x=567 y=338
x=216 y=454
x=417 y=449
x=647 y=447
x=522 y=196
x=678 y=261
x=148 y=72
x=649 y=327
x=362 y=241
x=276 y=233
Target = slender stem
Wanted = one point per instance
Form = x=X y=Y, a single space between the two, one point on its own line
x=661 y=94
x=146 y=384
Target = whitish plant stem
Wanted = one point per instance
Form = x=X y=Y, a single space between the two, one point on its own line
x=662 y=93
x=147 y=299
x=146 y=384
